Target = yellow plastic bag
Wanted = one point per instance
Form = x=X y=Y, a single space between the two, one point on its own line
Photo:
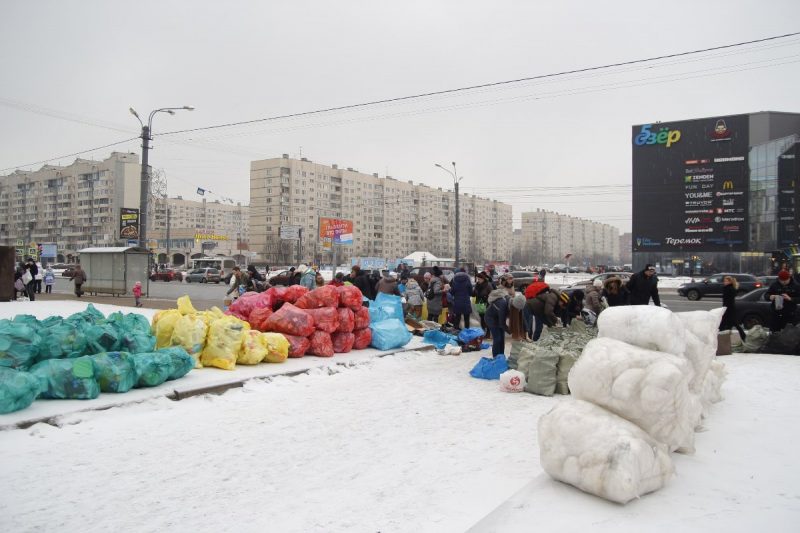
x=254 y=349
x=224 y=342
x=185 y=306
x=190 y=332
x=163 y=327
x=277 y=347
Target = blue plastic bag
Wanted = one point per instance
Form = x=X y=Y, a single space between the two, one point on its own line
x=468 y=335
x=384 y=307
x=438 y=338
x=389 y=334
x=18 y=389
x=488 y=368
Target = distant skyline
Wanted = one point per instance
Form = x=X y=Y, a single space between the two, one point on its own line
x=561 y=144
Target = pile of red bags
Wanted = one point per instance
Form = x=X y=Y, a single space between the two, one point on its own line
x=321 y=322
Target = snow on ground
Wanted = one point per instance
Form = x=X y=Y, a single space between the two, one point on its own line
x=664 y=282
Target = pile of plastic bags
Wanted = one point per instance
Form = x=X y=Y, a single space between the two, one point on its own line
x=80 y=356
x=321 y=322
x=387 y=322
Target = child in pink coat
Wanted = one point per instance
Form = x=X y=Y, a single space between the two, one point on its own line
x=137 y=293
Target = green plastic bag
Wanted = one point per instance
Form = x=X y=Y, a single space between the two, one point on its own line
x=27 y=320
x=152 y=368
x=18 y=389
x=116 y=371
x=136 y=322
x=90 y=316
x=19 y=345
x=182 y=362
x=51 y=321
x=102 y=338
x=138 y=342
x=67 y=379
x=62 y=340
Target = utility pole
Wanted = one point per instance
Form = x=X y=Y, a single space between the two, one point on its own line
x=169 y=261
x=456 y=180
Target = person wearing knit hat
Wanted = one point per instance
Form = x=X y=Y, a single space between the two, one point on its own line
x=784 y=293
x=546 y=307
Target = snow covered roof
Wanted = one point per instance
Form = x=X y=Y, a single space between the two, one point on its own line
x=418 y=256
x=111 y=250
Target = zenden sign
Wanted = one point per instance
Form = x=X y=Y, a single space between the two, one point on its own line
x=664 y=136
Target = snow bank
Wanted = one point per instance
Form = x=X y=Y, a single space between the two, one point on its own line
x=648 y=388
x=600 y=453
x=645 y=326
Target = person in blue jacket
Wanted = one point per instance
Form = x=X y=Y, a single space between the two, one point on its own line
x=461 y=290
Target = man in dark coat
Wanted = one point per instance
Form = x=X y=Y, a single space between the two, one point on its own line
x=461 y=290
x=784 y=293
x=644 y=285
x=545 y=308
x=359 y=279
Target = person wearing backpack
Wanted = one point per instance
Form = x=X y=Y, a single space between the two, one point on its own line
x=545 y=308
x=497 y=313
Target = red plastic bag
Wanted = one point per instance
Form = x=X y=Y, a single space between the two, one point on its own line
x=326 y=296
x=258 y=318
x=325 y=319
x=362 y=338
x=298 y=346
x=290 y=320
x=350 y=296
x=321 y=344
x=277 y=294
x=294 y=293
x=347 y=320
x=264 y=300
x=361 y=318
x=343 y=342
x=244 y=304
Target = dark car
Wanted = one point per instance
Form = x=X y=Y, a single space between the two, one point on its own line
x=523 y=278
x=585 y=284
x=418 y=273
x=754 y=308
x=712 y=286
x=203 y=275
x=281 y=277
x=166 y=274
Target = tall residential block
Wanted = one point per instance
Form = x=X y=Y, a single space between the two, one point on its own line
x=547 y=237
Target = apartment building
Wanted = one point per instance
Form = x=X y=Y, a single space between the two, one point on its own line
x=626 y=248
x=74 y=206
x=197 y=228
x=547 y=237
x=391 y=218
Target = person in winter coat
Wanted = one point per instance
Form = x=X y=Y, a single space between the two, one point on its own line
x=545 y=308
x=614 y=292
x=461 y=290
x=784 y=293
x=542 y=274
x=729 y=289
x=387 y=285
x=433 y=296
x=483 y=288
x=643 y=286
x=307 y=277
x=497 y=314
x=38 y=278
x=338 y=280
x=573 y=307
x=19 y=287
x=593 y=297
x=79 y=277
x=137 y=293
x=294 y=277
x=256 y=280
x=33 y=271
x=49 y=280
x=359 y=279
x=414 y=297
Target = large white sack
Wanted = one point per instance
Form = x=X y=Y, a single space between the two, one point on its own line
x=702 y=328
x=645 y=326
x=711 y=386
x=651 y=389
x=600 y=453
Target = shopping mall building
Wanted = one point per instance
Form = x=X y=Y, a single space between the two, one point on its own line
x=717 y=194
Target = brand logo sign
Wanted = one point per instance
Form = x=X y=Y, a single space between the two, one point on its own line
x=664 y=136
x=727 y=184
x=680 y=242
x=721 y=132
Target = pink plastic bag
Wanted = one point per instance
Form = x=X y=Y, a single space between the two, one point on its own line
x=277 y=294
x=325 y=319
x=244 y=304
x=294 y=293
x=362 y=338
x=264 y=300
x=350 y=296
x=258 y=318
x=290 y=320
x=347 y=320
x=343 y=342
x=321 y=344
x=326 y=296
x=298 y=346
x=361 y=318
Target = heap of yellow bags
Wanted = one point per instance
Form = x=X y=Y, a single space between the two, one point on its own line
x=216 y=339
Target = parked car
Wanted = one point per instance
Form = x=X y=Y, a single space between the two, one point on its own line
x=754 y=308
x=559 y=268
x=203 y=275
x=766 y=281
x=281 y=277
x=712 y=286
x=166 y=274
x=602 y=277
x=523 y=278
x=418 y=273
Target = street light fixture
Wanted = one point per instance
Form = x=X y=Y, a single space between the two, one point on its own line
x=144 y=191
x=456 y=181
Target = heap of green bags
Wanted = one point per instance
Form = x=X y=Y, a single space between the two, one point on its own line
x=80 y=356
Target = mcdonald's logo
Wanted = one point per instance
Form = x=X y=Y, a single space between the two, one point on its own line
x=726 y=185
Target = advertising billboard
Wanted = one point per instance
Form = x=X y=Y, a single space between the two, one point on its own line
x=788 y=175
x=335 y=231
x=128 y=223
x=691 y=185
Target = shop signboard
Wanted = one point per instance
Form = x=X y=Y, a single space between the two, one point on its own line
x=335 y=231
x=788 y=176
x=128 y=223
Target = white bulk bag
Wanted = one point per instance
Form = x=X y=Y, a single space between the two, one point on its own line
x=645 y=326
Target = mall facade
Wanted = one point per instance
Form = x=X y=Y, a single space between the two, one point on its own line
x=717 y=194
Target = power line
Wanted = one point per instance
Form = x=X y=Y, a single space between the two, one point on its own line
x=69 y=155
x=484 y=85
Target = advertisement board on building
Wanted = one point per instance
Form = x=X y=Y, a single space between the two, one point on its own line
x=49 y=250
x=788 y=176
x=691 y=185
x=335 y=231
x=290 y=233
x=128 y=223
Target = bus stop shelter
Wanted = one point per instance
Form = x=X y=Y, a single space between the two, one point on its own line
x=115 y=270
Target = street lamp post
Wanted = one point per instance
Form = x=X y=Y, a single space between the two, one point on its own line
x=456 y=181
x=144 y=190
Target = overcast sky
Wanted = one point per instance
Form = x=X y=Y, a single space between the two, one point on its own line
x=71 y=69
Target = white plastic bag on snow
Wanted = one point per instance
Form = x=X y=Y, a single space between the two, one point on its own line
x=512 y=381
x=702 y=328
x=711 y=386
x=645 y=326
x=651 y=389
x=600 y=453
